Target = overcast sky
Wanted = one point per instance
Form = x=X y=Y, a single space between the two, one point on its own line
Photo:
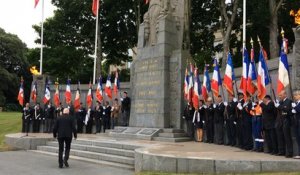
x=18 y=16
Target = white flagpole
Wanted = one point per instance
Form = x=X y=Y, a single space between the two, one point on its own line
x=96 y=42
x=244 y=24
x=42 y=40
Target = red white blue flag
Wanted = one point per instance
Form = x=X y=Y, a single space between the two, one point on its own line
x=283 y=69
x=108 y=90
x=89 y=97
x=191 y=83
x=229 y=76
x=244 y=78
x=116 y=84
x=252 y=77
x=21 y=93
x=186 y=84
x=68 y=94
x=197 y=89
x=77 y=98
x=263 y=77
x=99 y=90
x=56 y=95
x=216 y=79
x=47 y=96
x=206 y=88
x=34 y=92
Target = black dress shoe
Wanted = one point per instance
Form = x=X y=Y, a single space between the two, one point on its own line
x=60 y=166
x=66 y=163
x=289 y=156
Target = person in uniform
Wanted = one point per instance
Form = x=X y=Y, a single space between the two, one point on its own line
x=269 y=114
x=257 y=132
x=219 y=109
x=89 y=120
x=80 y=115
x=284 y=107
x=126 y=102
x=106 y=115
x=49 y=115
x=296 y=112
x=98 y=116
x=37 y=118
x=231 y=120
x=209 y=115
x=115 y=110
x=239 y=127
x=27 y=118
x=188 y=114
x=63 y=129
x=198 y=120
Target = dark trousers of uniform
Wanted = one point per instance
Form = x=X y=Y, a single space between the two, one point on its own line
x=105 y=124
x=190 y=128
x=49 y=125
x=257 y=132
x=79 y=125
x=36 y=125
x=280 y=139
x=114 y=121
x=64 y=142
x=98 y=125
x=231 y=132
x=247 y=133
x=239 y=133
x=219 y=132
x=287 y=127
x=27 y=126
x=89 y=127
x=23 y=125
x=210 y=131
x=271 y=140
x=297 y=134
x=125 y=116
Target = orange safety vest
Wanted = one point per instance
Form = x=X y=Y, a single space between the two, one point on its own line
x=257 y=111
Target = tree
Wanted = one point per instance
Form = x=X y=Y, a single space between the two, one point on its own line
x=13 y=64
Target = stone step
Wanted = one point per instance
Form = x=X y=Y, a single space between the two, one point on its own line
x=172 y=135
x=92 y=155
x=171 y=130
x=99 y=162
x=97 y=149
x=167 y=139
x=109 y=144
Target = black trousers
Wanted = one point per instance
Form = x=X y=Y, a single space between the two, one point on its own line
x=27 y=126
x=89 y=127
x=219 y=132
x=105 y=124
x=280 y=140
x=49 y=125
x=23 y=125
x=210 y=131
x=231 y=132
x=239 y=133
x=288 y=137
x=247 y=133
x=271 y=140
x=79 y=125
x=190 y=128
x=98 y=125
x=64 y=142
x=36 y=125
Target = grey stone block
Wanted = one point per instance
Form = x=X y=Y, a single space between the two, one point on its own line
x=201 y=166
x=244 y=166
x=280 y=166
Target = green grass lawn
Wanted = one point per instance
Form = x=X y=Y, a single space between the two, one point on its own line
x=10 y=122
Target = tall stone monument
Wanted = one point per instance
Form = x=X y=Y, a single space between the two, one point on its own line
x=296 y=52
x=157 y=73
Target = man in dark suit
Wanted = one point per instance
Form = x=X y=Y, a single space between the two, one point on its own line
x=188 y=114
x=219 y=120
x=296 y=112
x=239 y=127
x=63 y=129
x=37 y=117
x=80 y=116
x=98 y=116
x=27 y=118
x=106 y=116
x=209 y=118
x=269 y=114
x=49 y=115
x=284 y=107
x=231 y=120
x=125 y=107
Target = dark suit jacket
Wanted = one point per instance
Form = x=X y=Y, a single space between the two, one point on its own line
x=219 y=113
x=269 y=114
x=285 y=111
x=209 y=113
x=189 y=112
x=232 y=111
x=64 y=127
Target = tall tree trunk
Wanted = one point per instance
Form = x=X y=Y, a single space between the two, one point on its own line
x=273 y=27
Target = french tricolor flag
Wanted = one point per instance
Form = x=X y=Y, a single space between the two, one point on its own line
x=216 y=79
x=99 y=90
x=68 y=94
x=206 y=84
x=197 y=91
x=108 y=90
x=262 y=78
x=191 y=83
x=116 y=84
x=283 y=69
x=252 y=77
x=229 y=76
x=244 y=78
x=47 y=96
x=186 y=84
x=89 y=97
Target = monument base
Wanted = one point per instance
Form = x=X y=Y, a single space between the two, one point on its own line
x=135 y=133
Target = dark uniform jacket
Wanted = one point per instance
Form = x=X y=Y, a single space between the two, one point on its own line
x=219 y=113
x=49 y=112
x=27 y=114
x=188 y=112
x=64 y=127
x=106 y=112
x=284 y=112
x=269 y=114
x=209 y=113
x=126 y=104
x=232 y=111
x=38 y=114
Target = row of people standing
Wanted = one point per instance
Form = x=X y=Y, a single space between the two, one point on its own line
x=247 y=124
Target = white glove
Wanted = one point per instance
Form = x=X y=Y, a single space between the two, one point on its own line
x=214 y=105
x=239 y=106
x=294 y=111
x=294 y=105
x=276 y=104
x=183 y=117
x=277 y=101
x=225 y=103
x=252 y=108
x=234 y=100
x=203 y=122
x=260 y=101
x=234 y=123
x=122 y=99
x=204 y=106
x=245 y=104
x=104 y=107
x=253 y=104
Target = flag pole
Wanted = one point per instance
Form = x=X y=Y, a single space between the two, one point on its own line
x=96 y=42
x=244 y=24
x=268 y=74
x=42 y=40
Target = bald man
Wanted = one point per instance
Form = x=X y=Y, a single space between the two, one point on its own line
x=63 y=129
x=284 y=118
